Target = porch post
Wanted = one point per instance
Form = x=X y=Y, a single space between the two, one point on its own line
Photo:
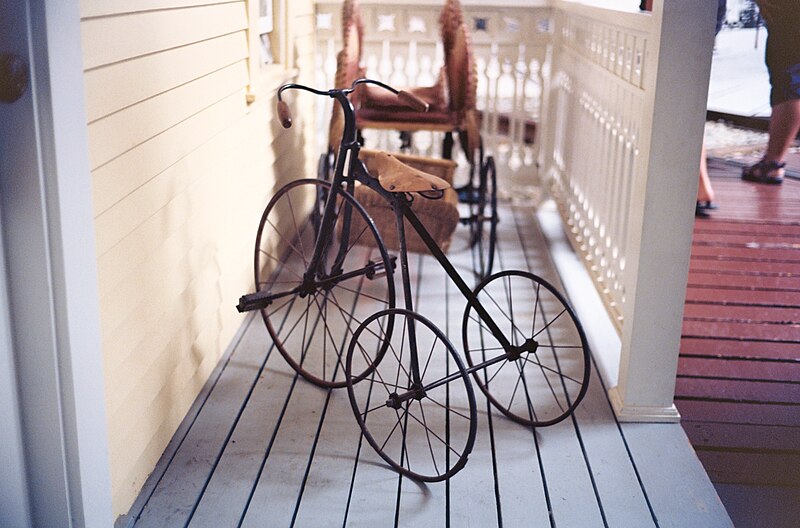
x=661 y=224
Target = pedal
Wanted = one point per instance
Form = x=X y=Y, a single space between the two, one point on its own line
x=254 y=301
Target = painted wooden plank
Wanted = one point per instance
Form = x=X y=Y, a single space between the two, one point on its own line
x=502 y=477
x=276 y=493
x=156 y=359
x=227 y=496
x=740 y=369
x=770 y=298
x=742 y=436
x=117 y=133
x=427 y=504
x=97 y=8
x=765 y=314
x=748 y=281
x=573 y=498
x=722 y=347
x=759 y=468
x=660 y=454
x=122 y=84
x=761 y=506
x=710 y=262
x=118 y=38
x=325 y=497
x=747 y=330
x=157 y=411
x=743 y=238
x=737 y=412
x=749 y=254
x=612 y=468
x=339 y=453
x=738 y=390
x=723 y=227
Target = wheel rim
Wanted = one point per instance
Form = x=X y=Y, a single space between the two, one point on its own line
x=548 y=380
x=311 y=329
x=428 y=438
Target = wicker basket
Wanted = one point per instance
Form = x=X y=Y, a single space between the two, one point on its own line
x=440 y=217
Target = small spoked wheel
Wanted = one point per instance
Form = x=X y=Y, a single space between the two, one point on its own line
x=421 y=421
x=546 y=371
x=313 y=313
x=483 y=212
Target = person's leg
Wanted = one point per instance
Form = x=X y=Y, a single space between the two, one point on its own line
x=783 y=128
x=783 y=63
x=704 y=192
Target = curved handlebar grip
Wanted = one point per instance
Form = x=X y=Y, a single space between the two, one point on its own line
x=284 y=114
x=413 y=101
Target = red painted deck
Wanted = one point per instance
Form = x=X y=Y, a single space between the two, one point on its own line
x=738 y=386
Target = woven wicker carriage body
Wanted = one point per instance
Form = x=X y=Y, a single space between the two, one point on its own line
x=440 y=217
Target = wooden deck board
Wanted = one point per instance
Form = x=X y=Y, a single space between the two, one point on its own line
x=281 y=457
x=738 y=386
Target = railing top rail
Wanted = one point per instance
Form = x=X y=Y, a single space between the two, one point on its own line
x=619 y=13
x=464 y=3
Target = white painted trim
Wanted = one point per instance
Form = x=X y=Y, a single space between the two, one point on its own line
x=14 y=506
x=74 y=268
x=51 y=276
x=661 y=222
x=601 y=333
x=641 y=413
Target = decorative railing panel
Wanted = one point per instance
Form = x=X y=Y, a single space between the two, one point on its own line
x=402 y=46
x=598 y=111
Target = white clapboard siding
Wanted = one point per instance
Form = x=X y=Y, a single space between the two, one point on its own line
x=98 y=8
x=117 y=38
x=123 y=130
x=182 y=167
x=119 y=85
x=117 y=179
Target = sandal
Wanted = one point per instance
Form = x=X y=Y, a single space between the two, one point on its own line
x=700 y=211
x=706 y=204
x=762 y=171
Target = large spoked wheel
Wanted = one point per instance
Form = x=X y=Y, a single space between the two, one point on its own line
x=312 y=320
x=483 y=213
x=424 y=428
x=547 y=373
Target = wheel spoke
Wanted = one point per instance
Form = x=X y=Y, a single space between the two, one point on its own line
x=439 y=438
x=297 y=230
x=551 y=322
x=281 y=262
x=428 y=437
x=448 y=409
x=556 y=372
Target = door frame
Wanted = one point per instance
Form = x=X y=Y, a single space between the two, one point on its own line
x=51 y=309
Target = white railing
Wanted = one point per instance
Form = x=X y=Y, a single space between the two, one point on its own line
x=402 y=45
x=598 y=110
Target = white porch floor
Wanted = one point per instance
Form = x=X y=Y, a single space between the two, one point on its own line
x=262 y=447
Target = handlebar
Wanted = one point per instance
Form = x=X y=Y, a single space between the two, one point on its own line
x=285 y=114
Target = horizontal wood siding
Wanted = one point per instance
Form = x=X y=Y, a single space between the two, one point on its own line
x=182 y=167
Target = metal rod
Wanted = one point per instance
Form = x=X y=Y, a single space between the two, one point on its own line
x=465 y=290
